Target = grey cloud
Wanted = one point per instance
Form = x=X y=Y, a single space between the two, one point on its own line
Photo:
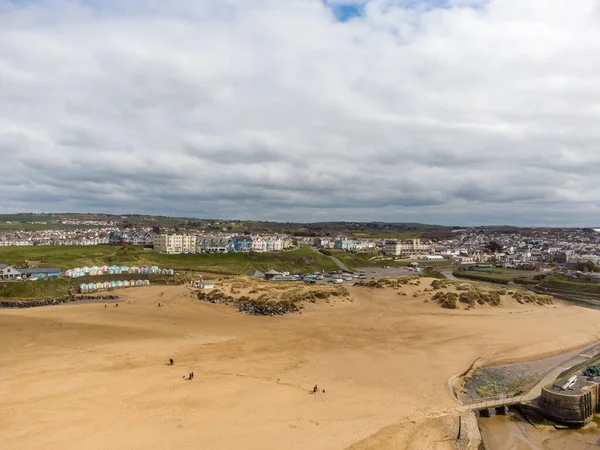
x=477 y=112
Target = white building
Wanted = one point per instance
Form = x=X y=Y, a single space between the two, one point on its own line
x=259 y=244
x=175 y=243
x=395 y=247
x=274 y=244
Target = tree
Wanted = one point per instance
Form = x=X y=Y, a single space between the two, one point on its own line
x=493 y=247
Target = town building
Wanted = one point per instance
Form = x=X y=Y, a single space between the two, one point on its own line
x=242 y=243
x=131 y=238
x=41 y=273
x=175 y=243
x=8 y=273
x=214 y=245
x=274 y=244
x=394 y=247
x=259 y=244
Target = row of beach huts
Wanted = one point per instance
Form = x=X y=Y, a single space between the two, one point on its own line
x=91 y=287
x=116 y=270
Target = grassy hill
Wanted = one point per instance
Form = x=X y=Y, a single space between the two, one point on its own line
x=35 y=289
x=66 y=257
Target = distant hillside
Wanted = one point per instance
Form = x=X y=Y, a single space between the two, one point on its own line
x=30 y=221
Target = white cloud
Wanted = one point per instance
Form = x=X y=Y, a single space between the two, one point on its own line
x=478 y=111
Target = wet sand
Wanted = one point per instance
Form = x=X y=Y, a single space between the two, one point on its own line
x=82 y=376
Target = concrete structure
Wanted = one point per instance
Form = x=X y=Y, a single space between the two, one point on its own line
x=574 y=406
x=175 y=243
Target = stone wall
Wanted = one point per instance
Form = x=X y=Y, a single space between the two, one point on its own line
x=53 y=301
x=571 y=409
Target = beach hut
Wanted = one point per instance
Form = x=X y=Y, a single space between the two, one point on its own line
x=113 y=284
x=124 y=269
x=119 y=284
x=170 y=272
x=69 y=273
x=99 y=286
x=135 y=269
x=144 y=269
x=106 y=285
x=163 y=272
x=154 y=269
x=104 y=269
x=146 y=282
x=83 y=287
x=139 y=283
x=114 y=270
x=86 y=270
x=132 y=283
x=94 y=270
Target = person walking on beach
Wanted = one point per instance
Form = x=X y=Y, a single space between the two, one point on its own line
x=171 y=361
x=315 y=389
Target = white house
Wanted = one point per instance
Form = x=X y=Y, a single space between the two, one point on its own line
x=8 y=272
x=259 y=244
x=274 y=244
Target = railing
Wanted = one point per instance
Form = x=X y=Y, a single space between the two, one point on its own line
x=492 y=402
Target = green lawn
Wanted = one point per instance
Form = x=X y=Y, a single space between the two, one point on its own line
x=66 y=257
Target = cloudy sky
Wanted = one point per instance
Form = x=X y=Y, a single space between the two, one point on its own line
x=440 y=111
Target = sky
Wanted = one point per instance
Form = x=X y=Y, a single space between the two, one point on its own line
x=456 y=112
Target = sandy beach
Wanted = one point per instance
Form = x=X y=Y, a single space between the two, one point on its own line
x=85 y=376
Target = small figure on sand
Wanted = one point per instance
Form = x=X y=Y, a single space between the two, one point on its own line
x=171 y=361
x=191 y=376
x=105 y=305
x=117 y=305
x=315 y=389
x=323 y=391
x=159 y=305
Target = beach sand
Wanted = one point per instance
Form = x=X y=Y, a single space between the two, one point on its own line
x=88 y=377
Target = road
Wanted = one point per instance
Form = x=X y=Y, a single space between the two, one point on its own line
x=337 y=262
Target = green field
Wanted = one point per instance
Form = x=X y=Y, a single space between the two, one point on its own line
x=67 y=257
x=568 y=284
x=505 y=276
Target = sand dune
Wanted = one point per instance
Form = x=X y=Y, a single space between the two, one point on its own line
x=85 y=376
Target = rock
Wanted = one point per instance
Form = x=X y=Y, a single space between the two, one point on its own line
x=53 y=301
